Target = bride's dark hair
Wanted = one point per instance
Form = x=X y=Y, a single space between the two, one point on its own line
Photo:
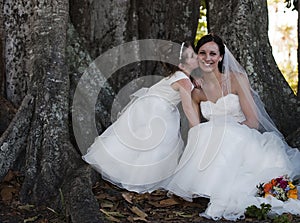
x=211 y=37
x=173 y=53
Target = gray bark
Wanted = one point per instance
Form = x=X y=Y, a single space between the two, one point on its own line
x=13 y=140
x=2 y=45
x=46 y=58
x=7 y=112
x=103 y=25
x=109 y=23
x=49 y=132
x=16 y=49
x=244 y=27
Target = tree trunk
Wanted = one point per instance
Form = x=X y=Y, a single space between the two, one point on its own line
x=2 y=44
x=244 y=27
x=45 y=58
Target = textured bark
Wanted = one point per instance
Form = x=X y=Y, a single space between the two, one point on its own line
x=7 y=112
x=109 y=23
x=2 y=45
x=13 y=140
x=45 y=58
x=17 y=26
x=103 y=25
x=244 y=27
x=49 y=133
x=294 y=139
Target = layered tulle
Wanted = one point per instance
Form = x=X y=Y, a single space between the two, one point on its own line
x=225 y=161
x=141 y=149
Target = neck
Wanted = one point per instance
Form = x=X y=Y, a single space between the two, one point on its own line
x=210 y=76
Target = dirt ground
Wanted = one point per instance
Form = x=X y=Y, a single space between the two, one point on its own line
x=117 y=205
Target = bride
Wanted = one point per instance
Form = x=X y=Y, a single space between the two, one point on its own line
x=237 y=148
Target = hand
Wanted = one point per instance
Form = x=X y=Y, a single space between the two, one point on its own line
x=197 y=83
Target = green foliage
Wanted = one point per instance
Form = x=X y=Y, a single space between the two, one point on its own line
x=262 y=214
x=259 y=213
x=202 y=23
x=283 y=219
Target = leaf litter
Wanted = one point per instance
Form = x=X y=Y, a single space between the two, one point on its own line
x=117 y=205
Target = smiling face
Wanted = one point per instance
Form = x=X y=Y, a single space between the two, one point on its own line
x=209 y=57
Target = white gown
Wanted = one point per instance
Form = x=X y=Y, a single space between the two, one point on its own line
x=141 y=149
x=224 y=161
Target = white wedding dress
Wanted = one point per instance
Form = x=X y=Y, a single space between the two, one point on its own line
x=141 y=149
x=225 y=160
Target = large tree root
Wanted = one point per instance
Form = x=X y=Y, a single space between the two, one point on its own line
x=81 y=203
x=7 y=112
x=13 y=140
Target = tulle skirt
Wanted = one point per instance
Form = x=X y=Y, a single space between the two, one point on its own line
x=140 y=151
x=224 y=161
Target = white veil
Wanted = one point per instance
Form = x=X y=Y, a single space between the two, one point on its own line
x=231 y=66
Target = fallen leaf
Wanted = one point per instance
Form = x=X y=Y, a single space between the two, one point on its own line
x=7 y=193
x=183 y=214
x=168 y=202
x=26 y=207
x=31 y=219
x=101 y=196
x=107 y=204
x=112 y=219
x=139 y=213
x=109 y=217
x=113 y=213
x=128 y=197
x=139 y=219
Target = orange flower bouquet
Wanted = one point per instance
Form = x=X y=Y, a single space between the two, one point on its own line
x=282 y=188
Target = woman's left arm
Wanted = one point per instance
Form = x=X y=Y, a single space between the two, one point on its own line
x=246 y=101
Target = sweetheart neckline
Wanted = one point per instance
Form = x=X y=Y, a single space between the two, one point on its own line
x=220 y=98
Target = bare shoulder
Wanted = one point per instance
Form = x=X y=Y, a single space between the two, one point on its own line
x=184 y=83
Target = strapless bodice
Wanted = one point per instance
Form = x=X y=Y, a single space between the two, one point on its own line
x=227 y=105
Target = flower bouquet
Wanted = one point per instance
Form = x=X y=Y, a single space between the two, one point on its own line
x=282 y=188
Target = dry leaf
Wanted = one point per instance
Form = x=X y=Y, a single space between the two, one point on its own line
x=168 y=202
x=31 y=219
x=107 y=204
x=7 y=193
x=139 y=212
x=101 y=196
x=182 y=214
x=109 y=217
x=140 y=219
x=128 y=197
x=112 y=213
x=26 y=207
x=112 y=219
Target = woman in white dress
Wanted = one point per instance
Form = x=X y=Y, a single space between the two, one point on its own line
x=237 y=148
x=141 y=149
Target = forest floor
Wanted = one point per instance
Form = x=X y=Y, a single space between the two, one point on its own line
x=116 y=205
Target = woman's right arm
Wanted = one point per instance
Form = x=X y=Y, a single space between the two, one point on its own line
x=184 y=88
